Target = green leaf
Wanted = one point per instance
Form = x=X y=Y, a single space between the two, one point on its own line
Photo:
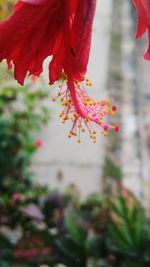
x=76 y=228
x=128 y=226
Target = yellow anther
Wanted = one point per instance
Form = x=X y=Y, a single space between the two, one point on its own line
x=66 y=118
x=73 y=133
x=107 y=101
x=110 y=111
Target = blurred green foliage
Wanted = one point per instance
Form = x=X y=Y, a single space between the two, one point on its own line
x=22 y=113
x=39 y=226
x=6 y=7
x=112 y=170
x=128 y=222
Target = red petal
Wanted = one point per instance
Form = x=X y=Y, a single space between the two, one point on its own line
x=143 y=9
x=29 y=36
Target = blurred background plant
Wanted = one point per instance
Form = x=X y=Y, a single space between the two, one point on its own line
x=6 y=6
x=19 y=113
x=39 y=226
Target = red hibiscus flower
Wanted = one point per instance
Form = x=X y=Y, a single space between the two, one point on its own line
x=61 y=29
x=143 y=9
x=38 y=143
x=17 y=197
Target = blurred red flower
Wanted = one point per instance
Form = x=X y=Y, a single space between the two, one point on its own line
x=28 y=254
x=17 y=197
x=31 y=246
x=38 y=143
